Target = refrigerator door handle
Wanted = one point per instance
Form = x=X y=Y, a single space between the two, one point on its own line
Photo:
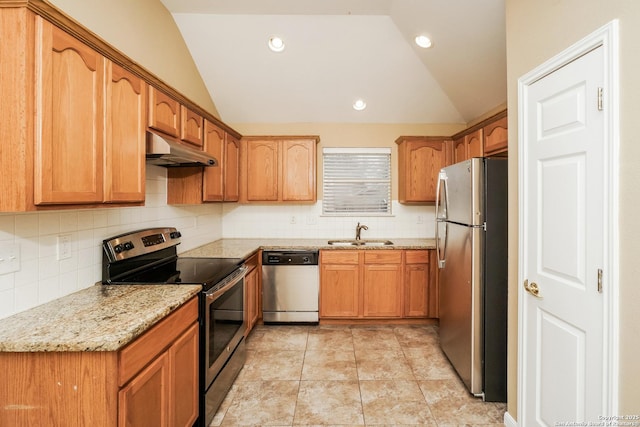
x=441 y=248
x=442 y=196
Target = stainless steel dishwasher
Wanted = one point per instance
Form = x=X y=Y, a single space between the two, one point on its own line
x=290 y=286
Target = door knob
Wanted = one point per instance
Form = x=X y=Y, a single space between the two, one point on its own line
x=532 y=288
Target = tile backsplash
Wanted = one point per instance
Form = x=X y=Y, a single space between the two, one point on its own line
x=42 y=276
x=306 y=221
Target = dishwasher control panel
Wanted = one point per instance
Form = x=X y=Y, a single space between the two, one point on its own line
x=290 y=258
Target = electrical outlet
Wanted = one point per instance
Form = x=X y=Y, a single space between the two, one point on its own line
x=292 y=219
x=9 y=258
x=420 y=219
x=312 y=220
x=64 y=246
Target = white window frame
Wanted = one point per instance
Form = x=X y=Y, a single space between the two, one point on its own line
x=337 y=179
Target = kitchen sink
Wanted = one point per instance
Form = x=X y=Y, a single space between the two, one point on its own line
x=360 y=242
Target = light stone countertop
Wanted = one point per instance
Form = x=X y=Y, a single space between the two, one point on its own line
x=98 y=318
x=244 y=248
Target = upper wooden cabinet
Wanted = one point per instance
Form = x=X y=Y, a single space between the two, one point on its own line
x=164 y=113
x=486 y=138
x=69 y=114
x=278 y=169
x=124 y=170
x=74 y=113
x=420 y=159
x=196 y=185
x=496 y=136
x=221 y=183
x=191 y=127
x=167 y=115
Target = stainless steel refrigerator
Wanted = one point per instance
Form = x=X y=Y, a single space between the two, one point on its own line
x=471 y=241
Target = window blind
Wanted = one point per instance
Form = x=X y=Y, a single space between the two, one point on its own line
x=356 y=181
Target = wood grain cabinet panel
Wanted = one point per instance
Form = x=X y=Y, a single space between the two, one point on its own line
x=340 y=284
x=496 y=136
x=231 y=168
x=69 y=119
x=144 y=401
x=262 y=160
x=164 y=113
x=191 y=127
x=278 y=169
x=416 y=283
x=378 y=284
x=419 y=162
x=299 y=170
x=153 y=381
x=124 y=170
x=253 y=301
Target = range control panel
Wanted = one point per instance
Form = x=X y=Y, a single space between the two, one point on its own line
x=140 y=242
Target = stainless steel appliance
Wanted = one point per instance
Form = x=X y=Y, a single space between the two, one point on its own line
x=149 y=256
x=471 y=241
x=290 y=286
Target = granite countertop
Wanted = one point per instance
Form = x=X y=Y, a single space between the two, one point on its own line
x=98 y=318
x=244 y=248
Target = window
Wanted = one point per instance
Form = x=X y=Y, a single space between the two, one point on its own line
x=356 y=181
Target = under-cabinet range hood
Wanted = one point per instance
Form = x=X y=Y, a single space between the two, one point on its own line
x=164 y=151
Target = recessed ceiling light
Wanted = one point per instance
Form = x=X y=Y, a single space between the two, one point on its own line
x=276 y=44
x=423 y=41
x=359 y=105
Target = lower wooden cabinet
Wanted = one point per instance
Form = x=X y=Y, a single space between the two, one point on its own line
x=252 y=292
x=153 y=381
x=340 y=284
x=376 y=284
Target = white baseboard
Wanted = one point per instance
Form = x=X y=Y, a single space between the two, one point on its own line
x=509 y=421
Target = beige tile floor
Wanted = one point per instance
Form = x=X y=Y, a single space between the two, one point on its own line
x=351 y=376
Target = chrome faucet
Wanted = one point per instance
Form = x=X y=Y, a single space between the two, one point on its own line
x=359 y=228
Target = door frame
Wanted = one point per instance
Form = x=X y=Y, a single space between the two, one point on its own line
x=607 y=38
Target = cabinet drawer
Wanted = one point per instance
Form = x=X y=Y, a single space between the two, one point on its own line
x=339 y=257
x=383 y=257
x=417 y=257
x=140 y=352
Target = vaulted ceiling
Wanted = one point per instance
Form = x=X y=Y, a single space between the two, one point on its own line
x=337 y=51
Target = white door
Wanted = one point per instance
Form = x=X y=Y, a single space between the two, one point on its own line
x=562 y=237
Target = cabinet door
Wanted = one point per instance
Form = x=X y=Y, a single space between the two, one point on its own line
x=339 y=290
x=419 y=162
x=262 y=170
x=459 y=150
x=144 y=401
x=382 y=290
x=416 y=284
x=474 y=144
x=124 y=177
x=252 y=299
x=69 y=119
x=183 y=395
x=164 y=113
x=214 y=141
x=299 y=170
x=231 y=169
x=191 y=127
x=496 y=136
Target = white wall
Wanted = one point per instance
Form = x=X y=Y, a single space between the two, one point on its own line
x=42 y=277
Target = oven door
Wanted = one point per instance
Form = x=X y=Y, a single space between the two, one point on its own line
x=224 y=323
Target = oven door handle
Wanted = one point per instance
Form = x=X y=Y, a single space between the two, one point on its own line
x=226 y=284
